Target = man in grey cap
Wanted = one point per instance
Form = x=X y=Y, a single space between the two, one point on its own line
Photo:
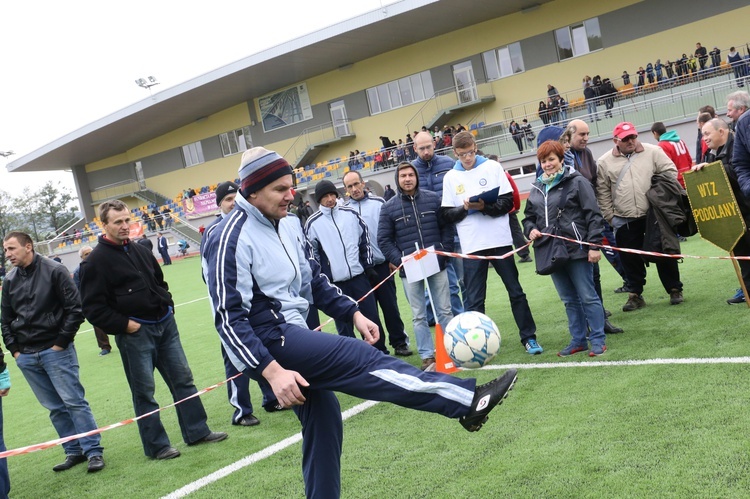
x=238 y=389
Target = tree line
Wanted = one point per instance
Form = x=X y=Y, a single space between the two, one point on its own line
x=41 y=213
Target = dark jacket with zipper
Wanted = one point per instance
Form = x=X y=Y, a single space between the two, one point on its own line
x=122 y=282
x=405 y=220
x=665 y=213
x=580 y=218
x=41 y=307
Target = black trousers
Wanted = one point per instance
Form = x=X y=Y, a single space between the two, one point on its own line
x=355 y=288
x=631 y=235
x=386 y=298
x=516 y=233
x=743 y=249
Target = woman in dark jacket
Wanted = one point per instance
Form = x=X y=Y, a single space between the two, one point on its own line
x=581 y=220
x=517 y=134
x=543 y=114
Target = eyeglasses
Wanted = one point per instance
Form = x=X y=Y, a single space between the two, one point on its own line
x=629 y=138
x=466 y=154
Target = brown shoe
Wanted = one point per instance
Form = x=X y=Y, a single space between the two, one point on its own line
x=428 y=364
x=675 y=296
x=635 y=301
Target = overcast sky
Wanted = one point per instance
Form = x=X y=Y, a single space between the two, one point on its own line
x=67 y=64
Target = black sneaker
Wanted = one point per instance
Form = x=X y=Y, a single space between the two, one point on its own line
x=403 y=351
x=274 y=407
x=247 y=421
x=486 y=397
x=675 y=296
x=739 y=297
x=525 y=259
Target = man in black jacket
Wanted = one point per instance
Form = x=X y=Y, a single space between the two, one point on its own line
x=125 y=294
x=146 y=242
x=412 y=217
x=720 y=141
x=41 y=313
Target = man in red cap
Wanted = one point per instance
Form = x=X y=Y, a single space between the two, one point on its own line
x=624 y=176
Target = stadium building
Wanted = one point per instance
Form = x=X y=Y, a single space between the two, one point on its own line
x=386 y=73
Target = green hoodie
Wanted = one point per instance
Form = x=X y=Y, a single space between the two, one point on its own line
x=670 y=136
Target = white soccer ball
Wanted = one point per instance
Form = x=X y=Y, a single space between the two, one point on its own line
x=471 y=339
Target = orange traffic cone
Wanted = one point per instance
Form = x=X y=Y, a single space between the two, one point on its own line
x=443 y=363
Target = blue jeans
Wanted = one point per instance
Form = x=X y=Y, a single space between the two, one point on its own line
x=475 y=277
x=575 y=285
x=591 y=109
x=53 y=377
x=158 y=346
x=4 y=477
x=439 y=288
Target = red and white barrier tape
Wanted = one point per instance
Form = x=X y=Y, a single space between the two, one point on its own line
x=417 y=254
x=51 y=443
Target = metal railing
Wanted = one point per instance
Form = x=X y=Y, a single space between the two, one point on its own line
x=670 y=105
x=699 y=77
x=316 y=135
x=112 y=191
x=446 y=99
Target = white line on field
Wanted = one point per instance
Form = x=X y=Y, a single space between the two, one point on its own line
x=278 y=447
x=617 y=363
x=178 y=305
x=254 y=458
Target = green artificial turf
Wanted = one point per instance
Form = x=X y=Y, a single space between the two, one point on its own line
x=594 y=431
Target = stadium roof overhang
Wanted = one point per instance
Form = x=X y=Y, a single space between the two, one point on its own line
x=338 y=46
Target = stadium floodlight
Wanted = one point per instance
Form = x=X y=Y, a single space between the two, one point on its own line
x=147 y=82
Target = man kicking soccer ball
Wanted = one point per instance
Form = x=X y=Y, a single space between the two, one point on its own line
x=261 y=282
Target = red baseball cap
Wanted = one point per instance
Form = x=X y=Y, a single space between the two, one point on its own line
x=624 y=129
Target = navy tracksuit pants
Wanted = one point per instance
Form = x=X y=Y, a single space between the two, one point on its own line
x=238 y=390
x=339 y=363
x=355 y=288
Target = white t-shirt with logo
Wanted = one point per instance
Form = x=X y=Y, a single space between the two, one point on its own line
x=478 y=231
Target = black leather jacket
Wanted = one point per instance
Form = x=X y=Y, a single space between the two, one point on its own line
x=40 y=307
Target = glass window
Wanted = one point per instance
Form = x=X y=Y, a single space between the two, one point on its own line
x=235 y=141
x=385 y=100
x=372 y=98
x=427 y=85
x=578 y=39
x=394 y=94
x=400 y=93
x=564 y=44
x=416 y=88
x=516 y=58
x=193 y=154
x=491 y=68
x=404 y=86
x=594 y=34
x=505 y=61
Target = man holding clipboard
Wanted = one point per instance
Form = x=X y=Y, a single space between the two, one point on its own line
x=477 y=197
